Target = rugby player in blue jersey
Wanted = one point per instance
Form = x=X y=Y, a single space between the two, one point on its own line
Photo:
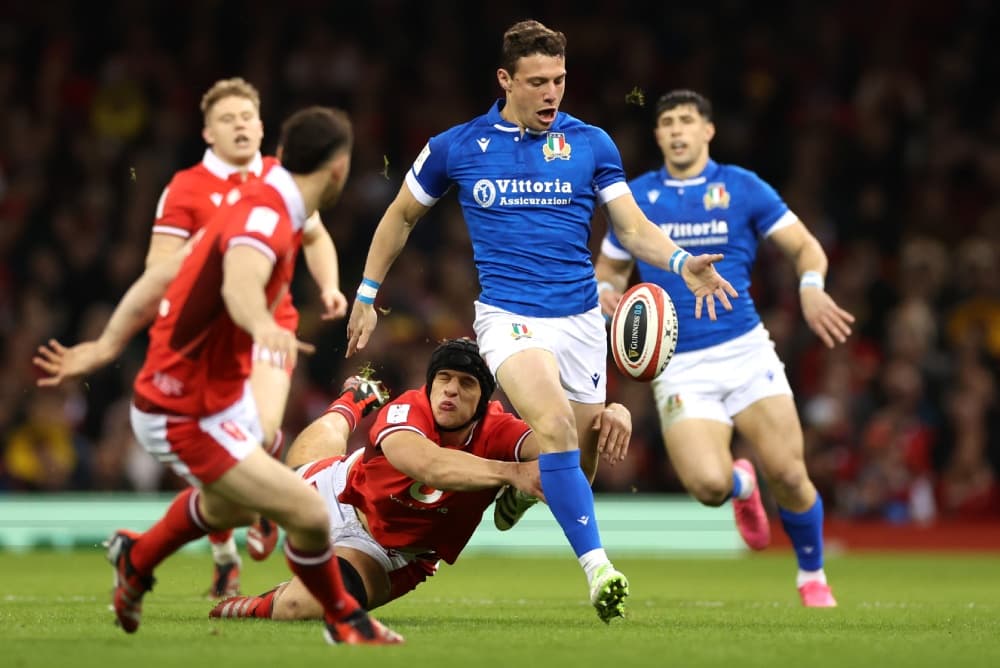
x=528 y=178
x=727 y=375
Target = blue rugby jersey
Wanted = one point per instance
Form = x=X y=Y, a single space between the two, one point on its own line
x=725 y=209
x=527 y=201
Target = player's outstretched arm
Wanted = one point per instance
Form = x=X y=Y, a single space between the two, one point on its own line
x=825 y=318
x=136 y=310
x=647 y=242
x=444 y=468
x=324 y=267
x=390 y=237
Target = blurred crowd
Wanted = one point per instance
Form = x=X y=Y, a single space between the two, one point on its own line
x=879 y=123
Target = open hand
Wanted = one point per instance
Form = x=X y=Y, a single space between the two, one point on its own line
x=704 y=281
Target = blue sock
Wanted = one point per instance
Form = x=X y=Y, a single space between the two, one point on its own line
x=806 y=532
x=737 y=486
x=570 y=499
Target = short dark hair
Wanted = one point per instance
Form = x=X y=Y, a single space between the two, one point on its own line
x=526 y=38
x=312 y=136
x=676 y=98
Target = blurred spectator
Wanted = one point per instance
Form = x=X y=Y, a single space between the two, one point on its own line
x=880 y=122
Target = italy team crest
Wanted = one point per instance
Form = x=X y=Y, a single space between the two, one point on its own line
x=519 y=331
x=716 y=196
x=556 y=146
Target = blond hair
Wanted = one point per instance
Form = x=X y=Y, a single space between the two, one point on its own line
x=235 y=87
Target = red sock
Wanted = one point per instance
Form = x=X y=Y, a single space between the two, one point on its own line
x=181 y=524
x=346 y=407
x=220 y=537
x=246 y=607
x=320 y=573
x=263 y=605
x=404 y=580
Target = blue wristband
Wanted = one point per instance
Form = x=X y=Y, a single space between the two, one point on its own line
x=677 y=260
x=367 y=291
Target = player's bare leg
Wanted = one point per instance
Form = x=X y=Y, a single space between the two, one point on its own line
x=511 y=504
x=270 y=387
x=530 y=378
x=327 y=437
x=772 y=426
x=699 y=451
x=267 y=487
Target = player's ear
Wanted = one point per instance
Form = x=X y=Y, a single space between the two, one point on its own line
x=504 y=78
x=340 y=167
x=709 y=131
x=208 y=135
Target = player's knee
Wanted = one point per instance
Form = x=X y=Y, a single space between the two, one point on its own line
x=312 y=520
x=789 y=482
x=711 y=490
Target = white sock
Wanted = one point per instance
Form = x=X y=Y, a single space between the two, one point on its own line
x=746 y=483
x=225 y=553
x=810 y=576
x=593 y=560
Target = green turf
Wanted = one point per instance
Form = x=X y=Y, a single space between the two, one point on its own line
x=895 y=610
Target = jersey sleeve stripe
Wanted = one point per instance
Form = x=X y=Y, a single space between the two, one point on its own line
x=787 y=219
x=418 y=191
x=172 y=231
x=520 y=442
x=613 y=251
x=392 y=430
x=254 y=243
x=613 y=192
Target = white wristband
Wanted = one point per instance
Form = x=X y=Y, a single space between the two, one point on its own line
x=602 y=286
x=812 y=279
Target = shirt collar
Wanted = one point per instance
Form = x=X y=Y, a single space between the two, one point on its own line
x=280 y=179
x=224 y=170
x=711 y=167
x=500 y=123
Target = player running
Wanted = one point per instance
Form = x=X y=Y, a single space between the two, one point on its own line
x=234 y=131
x=727 y=375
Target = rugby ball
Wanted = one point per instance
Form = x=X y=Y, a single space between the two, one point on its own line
x=644 y=332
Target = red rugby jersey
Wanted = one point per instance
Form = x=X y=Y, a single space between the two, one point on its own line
x=404 y=513
x=198 y=358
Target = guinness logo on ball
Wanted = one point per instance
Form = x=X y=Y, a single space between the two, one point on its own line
x=637 y=332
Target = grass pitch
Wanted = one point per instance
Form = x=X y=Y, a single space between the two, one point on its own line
x=895 y=610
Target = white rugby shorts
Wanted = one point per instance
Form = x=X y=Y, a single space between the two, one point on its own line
x=718 y=382
x=346 y=529
x=579 y=343
x=201 y=449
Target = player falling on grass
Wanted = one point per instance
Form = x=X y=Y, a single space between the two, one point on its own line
x=193 y=408
x=435 y=458
x=233 y=131
x=528 y=179
x=728 y=376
